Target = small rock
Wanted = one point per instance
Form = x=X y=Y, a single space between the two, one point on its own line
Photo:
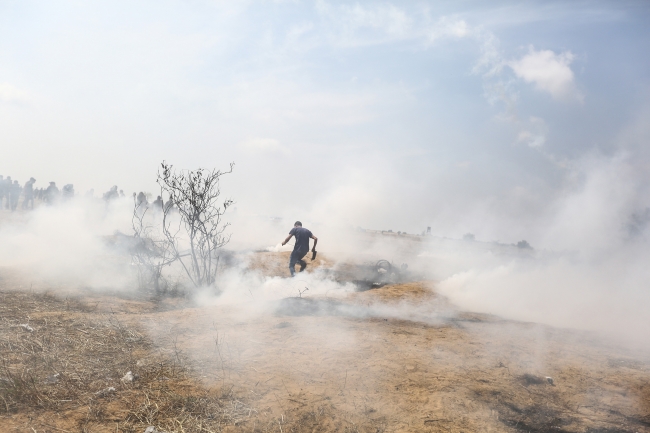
x=52 y=379
x=128 y=377
x=105 y=392
x=152 y=429
x=26 y=327
x=549 y=380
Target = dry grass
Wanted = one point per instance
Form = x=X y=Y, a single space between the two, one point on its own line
x=62 y=372
x=277 y=264
x=68 y=360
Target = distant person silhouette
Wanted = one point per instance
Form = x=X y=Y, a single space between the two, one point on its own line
x=14 y=194
x=3 y=192
x=68 y=191
x=158 y=204
x=7 y=191
x=111 y=194
x=142 y=200
x=28 y=193
x=51 y=195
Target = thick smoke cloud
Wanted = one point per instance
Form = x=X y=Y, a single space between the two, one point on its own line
x=68 y=245
x=590 y=269
x=587 y=268
x=390 y=116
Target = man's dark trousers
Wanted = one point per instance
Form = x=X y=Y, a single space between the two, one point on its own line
x=296 y=257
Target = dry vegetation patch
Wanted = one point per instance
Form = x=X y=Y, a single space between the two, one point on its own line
x=277 y=264
x=65 y=367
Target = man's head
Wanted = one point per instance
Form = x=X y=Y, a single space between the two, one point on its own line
x=297 y=224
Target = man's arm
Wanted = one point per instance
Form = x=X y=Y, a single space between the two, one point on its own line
x=315 y=242
x=286 y=240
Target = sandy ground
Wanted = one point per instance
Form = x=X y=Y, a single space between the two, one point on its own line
x=363 y=362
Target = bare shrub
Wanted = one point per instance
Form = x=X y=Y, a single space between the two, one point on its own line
x=189 y=228
x=193 y=223
x=152 y=251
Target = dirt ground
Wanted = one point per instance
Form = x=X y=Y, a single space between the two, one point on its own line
x=356 y=362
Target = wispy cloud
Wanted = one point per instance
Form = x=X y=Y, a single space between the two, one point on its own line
x=534 y=132
x=448 y=27
x=549 y=72
x=389 y=20
x=359 y=25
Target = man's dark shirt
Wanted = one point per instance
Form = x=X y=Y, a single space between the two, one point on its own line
x=302 y=239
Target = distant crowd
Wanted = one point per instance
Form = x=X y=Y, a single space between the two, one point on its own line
x=11 y=192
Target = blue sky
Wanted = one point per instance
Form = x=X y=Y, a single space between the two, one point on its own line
x=489 y=117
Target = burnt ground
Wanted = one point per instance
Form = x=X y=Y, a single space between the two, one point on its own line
x=357 y=362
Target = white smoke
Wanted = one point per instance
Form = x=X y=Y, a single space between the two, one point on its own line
x=68 y=244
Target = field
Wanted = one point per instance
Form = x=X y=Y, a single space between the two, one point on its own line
x=397 y=358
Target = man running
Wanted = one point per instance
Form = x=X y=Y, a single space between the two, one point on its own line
x=301 y=247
